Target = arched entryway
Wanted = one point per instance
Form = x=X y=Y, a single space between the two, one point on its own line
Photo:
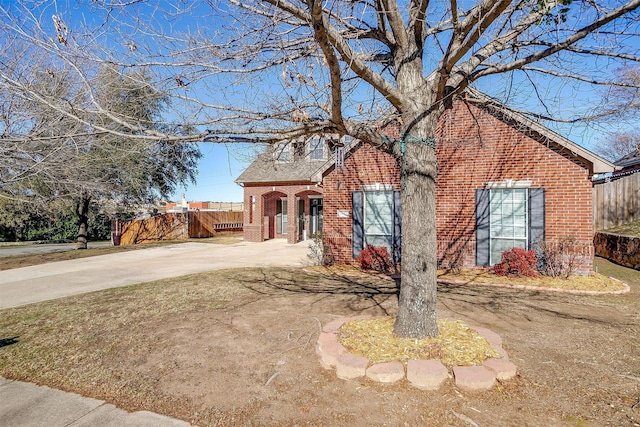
x=276 y=215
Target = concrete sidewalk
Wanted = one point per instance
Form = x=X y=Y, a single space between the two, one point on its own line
x=28 y=405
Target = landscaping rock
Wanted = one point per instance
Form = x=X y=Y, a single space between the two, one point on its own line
x=329 y=349
x=489 y=335
x=386 y=373
x=501 y=351
x=350 y=366
x=426 y=374
x=503 y=369
x=474 y=378
x=333 y=326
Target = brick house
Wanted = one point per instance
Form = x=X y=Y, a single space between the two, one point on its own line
x=503 y=181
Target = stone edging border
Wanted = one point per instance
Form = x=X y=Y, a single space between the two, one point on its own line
x=422 y=374
x=625 y=288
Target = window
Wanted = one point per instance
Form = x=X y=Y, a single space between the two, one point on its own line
x=281 y=216
x=252 y=209
x=316 y=148
x=375 y=220
x=508 y=221
x=282 y=152
x=378 y=218
x=508 y=218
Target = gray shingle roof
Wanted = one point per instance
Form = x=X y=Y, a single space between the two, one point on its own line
x=631 y=159
x=269 y=167
x=266 y=169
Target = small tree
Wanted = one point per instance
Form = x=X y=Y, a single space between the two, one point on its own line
x=61 y=159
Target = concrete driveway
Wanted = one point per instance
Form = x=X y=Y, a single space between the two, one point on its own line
x=28 y=285
x=34 y=248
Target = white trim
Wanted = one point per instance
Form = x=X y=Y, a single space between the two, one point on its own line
x=377 y=187
x=509 y=183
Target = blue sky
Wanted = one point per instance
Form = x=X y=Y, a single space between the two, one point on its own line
x=217 y=171
x=220 y=166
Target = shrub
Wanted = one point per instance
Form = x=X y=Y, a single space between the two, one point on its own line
x=517 y=262
x=375 y=258
x=319 y=253
x=559 y=259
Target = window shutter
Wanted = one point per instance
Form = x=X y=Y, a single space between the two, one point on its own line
x=536 y=217
x=397 y=227
x=357 y=222
x=482 y=228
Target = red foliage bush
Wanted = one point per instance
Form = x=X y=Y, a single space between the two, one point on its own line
x=517 y=262
x=375 y=258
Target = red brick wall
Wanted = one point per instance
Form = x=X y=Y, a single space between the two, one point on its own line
x=260 y=220
x=474 y=148
x=367 y=167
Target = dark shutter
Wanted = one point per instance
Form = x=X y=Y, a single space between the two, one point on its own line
x=357 y=222
x=536 y=217
x=397 y=226
x=482 y=228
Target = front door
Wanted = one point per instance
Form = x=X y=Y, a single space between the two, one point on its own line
x=301 y=220
x=315 y=225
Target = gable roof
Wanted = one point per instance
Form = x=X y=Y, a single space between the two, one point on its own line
x=266 y=168
x=595 y=163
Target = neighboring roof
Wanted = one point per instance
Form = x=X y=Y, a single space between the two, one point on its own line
x=596 y=163
x=627 y=165
x=631 y=159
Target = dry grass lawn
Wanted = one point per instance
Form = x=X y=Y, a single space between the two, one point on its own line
x=236 y=347
x=629 y=229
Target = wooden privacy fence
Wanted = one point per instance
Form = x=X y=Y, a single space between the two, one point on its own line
x=176 y=226
x=207 y=224
x=616 y=202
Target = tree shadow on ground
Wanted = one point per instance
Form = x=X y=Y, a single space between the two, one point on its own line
x=363 y=292
x=481 y=302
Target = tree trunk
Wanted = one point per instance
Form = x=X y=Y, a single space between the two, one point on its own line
x=417 y=305
x=417 y=160
x=82 y=211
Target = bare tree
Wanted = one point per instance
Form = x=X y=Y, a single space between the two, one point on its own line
x=623 y=102
x=271 y=70
x=618 y=144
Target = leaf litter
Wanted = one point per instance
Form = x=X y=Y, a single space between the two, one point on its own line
x=455 y=345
